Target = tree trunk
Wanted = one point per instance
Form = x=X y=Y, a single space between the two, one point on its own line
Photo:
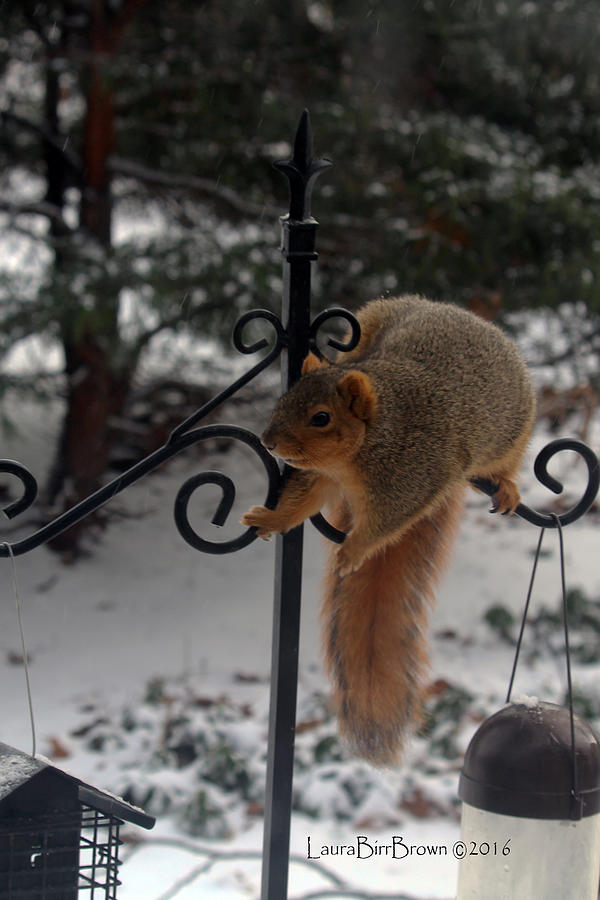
x=95 y=393
x=96 y=385
x=99 y=133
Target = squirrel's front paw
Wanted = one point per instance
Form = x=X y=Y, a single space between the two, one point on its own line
x=263 y=519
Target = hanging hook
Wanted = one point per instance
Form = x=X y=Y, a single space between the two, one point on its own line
x=540 y=469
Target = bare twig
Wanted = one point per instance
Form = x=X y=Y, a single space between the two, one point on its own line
x=215 y=856
x=339 y=887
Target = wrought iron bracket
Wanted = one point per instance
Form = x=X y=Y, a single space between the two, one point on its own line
x=182 y=437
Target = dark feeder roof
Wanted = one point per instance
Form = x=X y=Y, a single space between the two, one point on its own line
x=520 y=763
x=23 y=777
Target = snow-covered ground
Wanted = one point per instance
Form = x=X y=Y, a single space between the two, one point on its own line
x=148 y=636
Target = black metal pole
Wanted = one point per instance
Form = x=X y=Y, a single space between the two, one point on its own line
x=298 y=249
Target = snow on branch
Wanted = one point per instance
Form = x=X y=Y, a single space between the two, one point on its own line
x=36 y=208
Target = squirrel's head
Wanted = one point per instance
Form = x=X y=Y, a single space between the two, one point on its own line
x=323 y=418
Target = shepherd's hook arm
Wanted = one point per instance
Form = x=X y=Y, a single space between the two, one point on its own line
x=540 y=468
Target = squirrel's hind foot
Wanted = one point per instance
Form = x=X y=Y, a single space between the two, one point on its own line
x=351 y=555
x=507 y=497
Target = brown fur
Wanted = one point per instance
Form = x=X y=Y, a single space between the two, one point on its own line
x=374 y=620
x=389 y=435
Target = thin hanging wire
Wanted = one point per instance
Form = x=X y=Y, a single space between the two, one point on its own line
x=565 y=613
x=524 y=619
x=575 y=792
x=23 y=646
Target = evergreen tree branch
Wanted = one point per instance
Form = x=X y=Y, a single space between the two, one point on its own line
x=48 y=137
x=131 y=169
x=171 y=321
x=36 y=208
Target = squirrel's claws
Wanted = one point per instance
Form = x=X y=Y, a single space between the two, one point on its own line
x=349 y=559
x=259 y=517
x=503 y=512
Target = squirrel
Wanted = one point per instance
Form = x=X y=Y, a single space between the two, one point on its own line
x=387 y=436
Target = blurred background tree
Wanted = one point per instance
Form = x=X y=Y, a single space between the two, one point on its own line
x=138 y=198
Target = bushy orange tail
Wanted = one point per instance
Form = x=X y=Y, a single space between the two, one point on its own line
x=373 y=631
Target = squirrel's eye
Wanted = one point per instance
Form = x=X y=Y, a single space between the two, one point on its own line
x=320 y=419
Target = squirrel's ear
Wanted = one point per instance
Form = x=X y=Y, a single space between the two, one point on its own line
x=357 y=392
x=311 y=362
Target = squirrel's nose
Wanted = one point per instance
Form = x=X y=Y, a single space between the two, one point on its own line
x=268 y=442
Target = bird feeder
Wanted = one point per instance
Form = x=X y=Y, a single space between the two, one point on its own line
x=530 y=787
x=59 y=837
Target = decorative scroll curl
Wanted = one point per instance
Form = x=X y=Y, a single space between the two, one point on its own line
x=30 y=487
x=268 y=316
x=227 y=486
x=335 y=313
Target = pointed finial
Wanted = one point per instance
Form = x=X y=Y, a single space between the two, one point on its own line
x=302 y=170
